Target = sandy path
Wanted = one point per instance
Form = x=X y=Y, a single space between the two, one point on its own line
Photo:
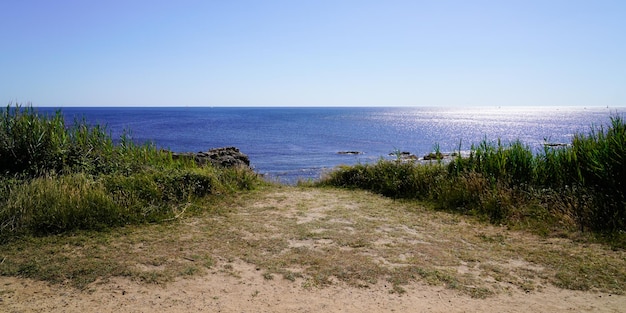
x=220 y=292
x=245 y=288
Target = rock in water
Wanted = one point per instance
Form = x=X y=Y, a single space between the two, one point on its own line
x=225 y=157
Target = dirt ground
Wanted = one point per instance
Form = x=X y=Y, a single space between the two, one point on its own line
x=251 y=293
x=268 y=233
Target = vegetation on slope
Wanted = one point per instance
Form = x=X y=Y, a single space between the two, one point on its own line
x=579 y=186
x=56 y=178
x=314 y=236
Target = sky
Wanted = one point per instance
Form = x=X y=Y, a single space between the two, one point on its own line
x=313 y=53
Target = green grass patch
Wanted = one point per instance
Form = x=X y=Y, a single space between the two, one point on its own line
x=56 y=178
x=577 y=187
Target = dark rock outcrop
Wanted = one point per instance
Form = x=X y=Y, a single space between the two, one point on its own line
x=404 y=156
x=400 y=154
x=349 y=152
x=439 y=156
x=224 y=157
x=434 y=156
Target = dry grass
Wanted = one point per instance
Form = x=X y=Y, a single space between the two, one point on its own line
x=317 y=237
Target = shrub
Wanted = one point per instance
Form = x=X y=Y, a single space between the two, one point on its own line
x=582 y=182
x=55 y=178
x=461 y=193
x=47 y=205
x=390 y=178
x=513 y=163
x=30 y=142
x=600 y=157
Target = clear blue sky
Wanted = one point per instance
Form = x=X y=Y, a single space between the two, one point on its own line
x=313 y=53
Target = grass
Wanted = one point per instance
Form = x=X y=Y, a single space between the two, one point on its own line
x=579 y=187
x=315 y=237
x=57 y=178
x=77 y=209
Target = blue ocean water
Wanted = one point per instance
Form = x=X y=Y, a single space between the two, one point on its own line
x=288 y=144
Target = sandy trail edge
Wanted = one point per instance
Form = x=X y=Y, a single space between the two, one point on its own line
x=250 y=292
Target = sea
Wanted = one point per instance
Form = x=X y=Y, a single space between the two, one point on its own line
x=303 y=143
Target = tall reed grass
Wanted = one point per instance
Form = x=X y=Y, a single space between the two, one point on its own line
x=580 y=185
x=56 y=178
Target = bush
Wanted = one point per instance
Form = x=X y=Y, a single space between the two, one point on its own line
x=513 y=163
x=48 y=205
x=600 y=159
x=154 y=187
x=582 y=182
x=55 y=178
x=390 y=178
x=30 y=143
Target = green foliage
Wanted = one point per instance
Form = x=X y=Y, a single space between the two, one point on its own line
x=29 y=142
x=151 y=188
x=55 y=178
x=462 y=193
x=600 y=160
x=390 y=178
x=581 y=184
x=514 y=162
x=50 y=205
